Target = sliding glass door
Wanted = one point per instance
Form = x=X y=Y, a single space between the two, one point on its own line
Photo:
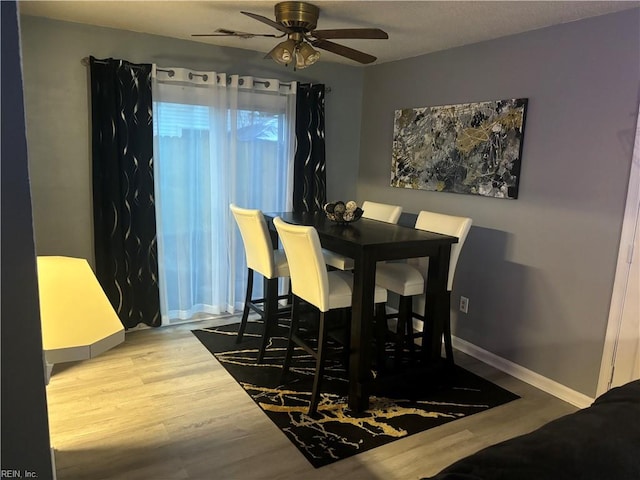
x=215 y=143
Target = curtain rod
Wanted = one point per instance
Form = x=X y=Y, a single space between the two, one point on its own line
x=85 y=62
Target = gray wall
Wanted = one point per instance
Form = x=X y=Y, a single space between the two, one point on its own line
x=58 y=115
x=538 y=270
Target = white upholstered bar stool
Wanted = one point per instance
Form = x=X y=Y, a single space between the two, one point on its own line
x=375 y=211
x=408 y=279
x=267 y=261
x=326 y=291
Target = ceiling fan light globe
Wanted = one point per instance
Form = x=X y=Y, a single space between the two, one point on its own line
x=285 y=56
x=306 y=56
x=313 y=58
x=300 y=62
x=283 y=53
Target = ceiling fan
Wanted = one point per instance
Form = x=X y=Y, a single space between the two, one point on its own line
x=297 y=21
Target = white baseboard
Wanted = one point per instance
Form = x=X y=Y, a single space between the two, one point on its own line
x=521 y=373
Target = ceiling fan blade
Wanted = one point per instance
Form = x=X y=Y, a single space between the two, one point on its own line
x=223 y=32
x=369 y=33
x=213 y=35
x=268 y=21
x=347 y=52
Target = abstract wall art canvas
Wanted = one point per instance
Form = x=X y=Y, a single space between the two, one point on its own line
x=472 y=148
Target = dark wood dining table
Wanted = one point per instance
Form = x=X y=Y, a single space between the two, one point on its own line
x=367 y=242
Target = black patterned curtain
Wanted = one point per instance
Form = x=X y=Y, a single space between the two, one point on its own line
x=123 y=201
x=309 y=175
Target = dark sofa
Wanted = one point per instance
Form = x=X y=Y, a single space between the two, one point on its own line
x=601 y=442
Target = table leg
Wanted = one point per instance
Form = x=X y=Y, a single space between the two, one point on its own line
x=437 y=304
x=364 y=274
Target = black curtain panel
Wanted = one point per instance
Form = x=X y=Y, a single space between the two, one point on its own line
x=123 y=201
x=309 y=175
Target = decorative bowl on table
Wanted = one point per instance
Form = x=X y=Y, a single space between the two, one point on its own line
x=343 y=213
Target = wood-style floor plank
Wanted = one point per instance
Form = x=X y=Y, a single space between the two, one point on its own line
x=160 y=406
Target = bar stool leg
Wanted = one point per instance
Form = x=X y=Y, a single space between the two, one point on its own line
x=410 y=336
x=270 y=313
x=295 y=312
x=247 y=303
x=320 y=359
x=404 y=314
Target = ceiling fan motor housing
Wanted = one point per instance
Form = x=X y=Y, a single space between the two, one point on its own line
x=297 y=15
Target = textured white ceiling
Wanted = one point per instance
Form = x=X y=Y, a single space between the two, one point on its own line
x=414 y=28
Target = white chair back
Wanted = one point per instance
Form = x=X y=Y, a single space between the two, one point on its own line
x=447 y=225
x=381 y=211
x=258 y=247
x=309 y=278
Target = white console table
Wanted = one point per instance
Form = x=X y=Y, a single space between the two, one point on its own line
x=78 y=322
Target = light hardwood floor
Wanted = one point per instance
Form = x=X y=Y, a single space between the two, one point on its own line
x=159 y=406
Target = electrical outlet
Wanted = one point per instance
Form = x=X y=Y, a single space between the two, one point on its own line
x=464 y=304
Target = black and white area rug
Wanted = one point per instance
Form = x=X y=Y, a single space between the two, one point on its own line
x=335 y=432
